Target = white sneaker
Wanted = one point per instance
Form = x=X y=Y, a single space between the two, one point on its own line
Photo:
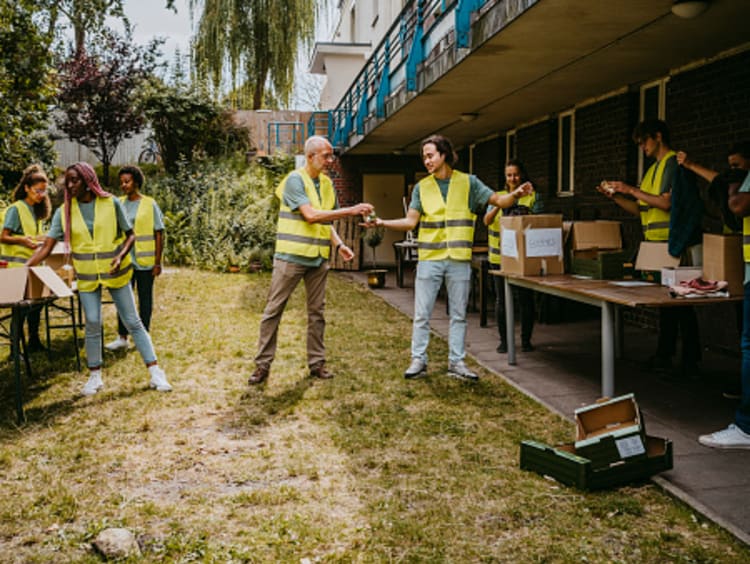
x=731 y=437
x=118 y=344
x=94 y=384
x=159 y=379
x=417 y=368
x=461 y=371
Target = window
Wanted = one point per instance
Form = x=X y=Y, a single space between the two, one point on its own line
x=565 y=152
x=652 y=106
x=510 y=145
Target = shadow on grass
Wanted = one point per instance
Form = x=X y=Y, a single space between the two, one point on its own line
x=256 y=407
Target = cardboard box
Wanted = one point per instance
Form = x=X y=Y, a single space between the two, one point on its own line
x=17 y=284
x=610 y=431
x=565 y=464
x=532 y=244
x=604 y=235
x=654 y=256
x=673 y=275
x=61 y=263
x=723 y=260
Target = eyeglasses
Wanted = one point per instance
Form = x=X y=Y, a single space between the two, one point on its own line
x=39 y=191
x=328 y=156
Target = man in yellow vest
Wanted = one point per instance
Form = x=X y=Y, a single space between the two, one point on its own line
x=445 y=205
x=652 y=202
x=304 y=239
x=737 y=434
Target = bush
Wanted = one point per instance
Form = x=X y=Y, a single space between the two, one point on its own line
x=217 y=217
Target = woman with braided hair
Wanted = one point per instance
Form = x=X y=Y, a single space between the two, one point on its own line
x=99 y=237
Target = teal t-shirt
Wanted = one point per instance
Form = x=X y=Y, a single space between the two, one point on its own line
x=479 y=193
x=131 y=210
x=88 y=213
x=294 y=197
x=12 y=220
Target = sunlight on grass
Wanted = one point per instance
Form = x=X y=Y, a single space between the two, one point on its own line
x=366 y=467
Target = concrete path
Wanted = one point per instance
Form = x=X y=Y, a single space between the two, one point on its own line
x=563 y=373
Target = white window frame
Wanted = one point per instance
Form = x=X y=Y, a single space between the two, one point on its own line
x=571 y=179
x=511 y=134
x=661 y=109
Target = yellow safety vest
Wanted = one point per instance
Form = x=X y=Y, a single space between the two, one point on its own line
x=143 y=227
x=493 y=231
x=446 y=228
x=746 y=238
x=17 y=255
x=655 y=222
x=92 y=255
x=294 y=236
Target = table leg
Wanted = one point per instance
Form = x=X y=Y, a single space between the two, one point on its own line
x=619 y=334
x=510 y=323
x=16 y=327
x=483 y=274
x=399 y=267
x=608 y=349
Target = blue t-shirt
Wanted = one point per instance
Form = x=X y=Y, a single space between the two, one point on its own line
x=131 y=210
x=479 y=193
x=13 y=220
x=88 y=213
x=294 y=197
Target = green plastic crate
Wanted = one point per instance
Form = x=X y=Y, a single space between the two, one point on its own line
x=564 y=465
x=608 y=265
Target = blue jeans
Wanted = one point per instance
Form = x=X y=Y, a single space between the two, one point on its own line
x=430 y=276
x=742 y=416
x=125 y=304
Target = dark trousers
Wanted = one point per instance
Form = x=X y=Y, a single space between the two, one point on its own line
x=33 y=320
x=742 y=416
x=143 y=282
x=682 y=321
x=525 y=299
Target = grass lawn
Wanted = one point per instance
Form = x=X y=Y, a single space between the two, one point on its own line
x=367 y=467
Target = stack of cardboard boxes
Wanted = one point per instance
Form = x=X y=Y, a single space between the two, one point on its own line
x=596 y=250
x=611 y=448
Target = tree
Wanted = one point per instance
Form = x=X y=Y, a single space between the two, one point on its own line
x=99 y=90
x=255 y=42
x=26 y=87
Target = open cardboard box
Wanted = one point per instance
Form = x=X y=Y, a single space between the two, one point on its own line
x=61 y=263
x=532 y=245
x=723 y=260
x=602 y=235
x=17 y=284
x=610 y=430
x=653 y=255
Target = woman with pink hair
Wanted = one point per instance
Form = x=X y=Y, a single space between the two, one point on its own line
x=98 y=236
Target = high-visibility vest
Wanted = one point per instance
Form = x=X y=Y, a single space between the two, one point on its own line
x=294 y=236
x=493 y=230
x=746 y=238
x=446 y=228
x=17 y=255
x=143 y=227
x=92 y=255
x=654 y=221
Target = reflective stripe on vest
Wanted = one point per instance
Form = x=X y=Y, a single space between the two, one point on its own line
x=746 y=238
x=92 y=255
x=17 y=255
x=654 y=221
x=294 y=235
x=143 y=227
x=493 y=230
x=446 y=228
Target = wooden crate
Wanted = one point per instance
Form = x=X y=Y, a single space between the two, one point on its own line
x=350 y=232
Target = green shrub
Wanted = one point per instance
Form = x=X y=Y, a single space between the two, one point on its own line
x=218 y=215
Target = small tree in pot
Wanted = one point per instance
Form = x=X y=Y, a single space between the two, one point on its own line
x=372 y=237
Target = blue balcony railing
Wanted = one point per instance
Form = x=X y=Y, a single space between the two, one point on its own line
x=393 y=66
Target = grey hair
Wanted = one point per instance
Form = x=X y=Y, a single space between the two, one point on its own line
x=314 y=143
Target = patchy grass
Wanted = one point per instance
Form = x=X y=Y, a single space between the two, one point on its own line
x=367 y=467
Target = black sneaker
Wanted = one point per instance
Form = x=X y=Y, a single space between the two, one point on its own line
x=527 y=347
x=502 y=348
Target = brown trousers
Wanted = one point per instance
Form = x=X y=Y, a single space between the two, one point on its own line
x=286 y=275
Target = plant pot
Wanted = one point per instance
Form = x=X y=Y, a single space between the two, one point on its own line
x=233 y=268
x=376 y=278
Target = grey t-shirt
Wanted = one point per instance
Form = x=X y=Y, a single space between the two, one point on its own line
x=479 y=193
x=88 y=212
x=131 y=210
x=12 y=220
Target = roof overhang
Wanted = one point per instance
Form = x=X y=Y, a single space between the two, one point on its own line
x=331 y=49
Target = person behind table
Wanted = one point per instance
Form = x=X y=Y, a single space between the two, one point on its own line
x=515 y=176
x=737 y=434
x=445 y=205
x=304 y=238
x=99 y=237
x=22 y=232
x=652 y=203
x=144 y=215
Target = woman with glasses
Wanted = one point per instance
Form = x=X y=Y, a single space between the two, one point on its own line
x=99 y=237
x=22 y=232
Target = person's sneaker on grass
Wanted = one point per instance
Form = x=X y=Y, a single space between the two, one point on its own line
x=731 y=437
x=417 y=368
x=94 y=383
x=461 y=371
x=159 y=379
x=120 y=343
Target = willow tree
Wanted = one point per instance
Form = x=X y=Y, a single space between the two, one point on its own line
x=253 y=44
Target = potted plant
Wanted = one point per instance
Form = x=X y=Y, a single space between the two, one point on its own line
x=372 y=237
